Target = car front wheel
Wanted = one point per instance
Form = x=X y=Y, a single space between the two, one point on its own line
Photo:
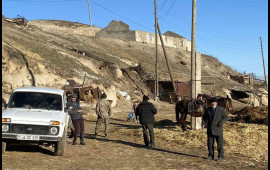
x=60 y=146
x=4 y=146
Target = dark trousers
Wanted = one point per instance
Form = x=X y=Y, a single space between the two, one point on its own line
x=99 y=122
x=78 y=126
x=210 y=143
x=150 y=128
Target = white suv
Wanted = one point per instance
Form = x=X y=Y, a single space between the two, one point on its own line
x=37 y=116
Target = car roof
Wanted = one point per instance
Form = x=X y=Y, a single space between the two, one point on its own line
x=39 y=89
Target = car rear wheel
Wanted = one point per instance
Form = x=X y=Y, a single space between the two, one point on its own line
x=4 y=146
x=60 y=146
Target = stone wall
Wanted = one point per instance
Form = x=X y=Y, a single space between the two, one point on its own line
x=54 y=28
x=117 y=30
x=120 y=30
x=147 y=37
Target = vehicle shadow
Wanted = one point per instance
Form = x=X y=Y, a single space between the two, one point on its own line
x=89 y=136
x=28 y=148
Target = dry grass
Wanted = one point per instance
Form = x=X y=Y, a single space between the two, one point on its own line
x=247 y=140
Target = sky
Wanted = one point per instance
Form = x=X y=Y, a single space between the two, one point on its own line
x=229 y=30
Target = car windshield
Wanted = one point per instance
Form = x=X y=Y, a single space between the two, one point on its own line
x=35 y=100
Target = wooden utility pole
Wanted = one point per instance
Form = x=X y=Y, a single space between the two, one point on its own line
x=156 y=82
x=266 y=82
x=167 y=61
x=83 y=80
x=89 y=13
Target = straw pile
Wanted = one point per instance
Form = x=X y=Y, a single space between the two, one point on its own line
x=258 y=115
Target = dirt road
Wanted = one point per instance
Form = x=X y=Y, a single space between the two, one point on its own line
x=124 y=149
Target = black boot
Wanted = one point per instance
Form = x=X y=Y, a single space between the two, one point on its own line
x=71 y=134
x=82 y=139
x=75 y=140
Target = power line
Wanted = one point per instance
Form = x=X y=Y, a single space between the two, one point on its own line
x=213 y=42
x=204 y=28
x=166 y=14
x=162 y=5
x=121 y=16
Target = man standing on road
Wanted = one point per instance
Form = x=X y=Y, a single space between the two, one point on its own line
x=70 y=125
x=146 y=112
x=214 y=118
x=77 y=119
x=104 y=112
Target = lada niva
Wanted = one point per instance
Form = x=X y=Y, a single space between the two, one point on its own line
x=38 y=116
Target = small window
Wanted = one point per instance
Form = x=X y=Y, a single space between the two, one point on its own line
x=150 y=36
x=182 y=43
x=166 y=39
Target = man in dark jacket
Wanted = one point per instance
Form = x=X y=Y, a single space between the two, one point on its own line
x=214 y=118
x=146 y=112
x=77 y=119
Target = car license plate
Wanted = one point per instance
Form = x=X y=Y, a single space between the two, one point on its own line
x=27 y=137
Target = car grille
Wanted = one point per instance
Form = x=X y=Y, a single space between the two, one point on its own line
x=30 y=129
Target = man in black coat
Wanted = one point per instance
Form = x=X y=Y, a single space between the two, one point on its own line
x=146 y=112
x=214 y=118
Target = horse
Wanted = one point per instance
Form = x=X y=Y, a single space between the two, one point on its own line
x=182 y=107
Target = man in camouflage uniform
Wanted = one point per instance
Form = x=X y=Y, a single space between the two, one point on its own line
x=103 y=111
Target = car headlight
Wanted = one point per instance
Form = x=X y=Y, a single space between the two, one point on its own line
x=5 y=128
x=53 y=130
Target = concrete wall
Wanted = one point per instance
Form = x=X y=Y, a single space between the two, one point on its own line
x=248 y=79
x=117 y=30
x=120 y=30
x=180 y=43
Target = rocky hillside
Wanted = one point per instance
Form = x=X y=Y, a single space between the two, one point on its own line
x=48 y=52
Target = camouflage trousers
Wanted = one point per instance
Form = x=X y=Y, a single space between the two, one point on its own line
x=99 y=122
x=70 y=125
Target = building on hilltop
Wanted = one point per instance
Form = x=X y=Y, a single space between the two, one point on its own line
x=120 y=30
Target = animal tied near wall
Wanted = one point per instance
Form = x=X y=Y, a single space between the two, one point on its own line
x=193 y=107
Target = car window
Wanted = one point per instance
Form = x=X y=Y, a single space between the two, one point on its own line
x=35 y=100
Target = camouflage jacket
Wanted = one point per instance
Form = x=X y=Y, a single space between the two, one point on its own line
x=103 y=108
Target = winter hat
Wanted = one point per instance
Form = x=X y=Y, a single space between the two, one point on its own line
x=103 y=96
x=73 y=95
x=145 y=98
x=68 y=92
x=214 y=100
